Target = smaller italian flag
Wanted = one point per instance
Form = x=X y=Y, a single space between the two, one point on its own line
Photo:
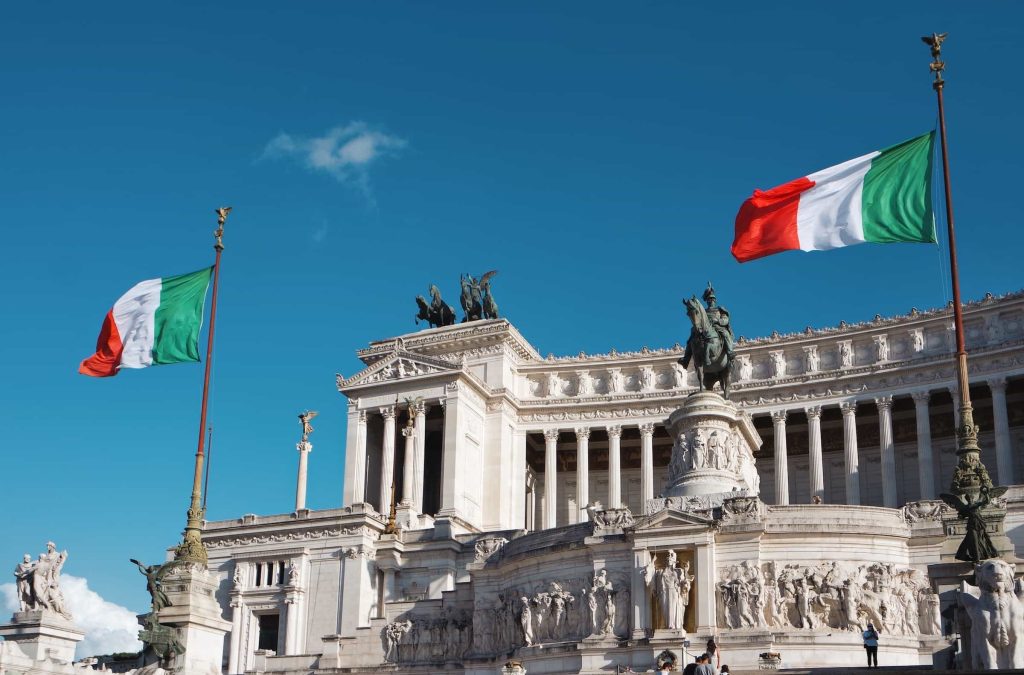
x=881 y=197
x=156 y=322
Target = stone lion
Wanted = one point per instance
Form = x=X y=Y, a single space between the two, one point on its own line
x=996 y=612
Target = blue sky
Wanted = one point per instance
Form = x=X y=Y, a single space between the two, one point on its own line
x=594 y=153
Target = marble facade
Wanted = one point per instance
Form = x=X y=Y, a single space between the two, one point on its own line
x=551 y=506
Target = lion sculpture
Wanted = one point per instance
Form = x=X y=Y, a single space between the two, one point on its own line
x=996 y=612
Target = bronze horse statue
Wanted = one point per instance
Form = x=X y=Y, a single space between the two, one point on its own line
x=706 y=348
x=438 y=312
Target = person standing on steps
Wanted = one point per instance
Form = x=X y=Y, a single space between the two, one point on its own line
x=871 y=644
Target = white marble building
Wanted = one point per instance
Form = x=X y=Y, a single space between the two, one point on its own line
x=491 y=451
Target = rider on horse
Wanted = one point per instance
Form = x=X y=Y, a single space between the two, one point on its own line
x=719 y=318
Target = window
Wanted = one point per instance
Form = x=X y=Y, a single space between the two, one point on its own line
x=269 y=627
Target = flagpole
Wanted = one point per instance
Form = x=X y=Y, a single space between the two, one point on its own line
x=192 y=549
x=970 y=475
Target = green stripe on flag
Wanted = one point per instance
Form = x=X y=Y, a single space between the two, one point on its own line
x=897 y=199
x=180 y=316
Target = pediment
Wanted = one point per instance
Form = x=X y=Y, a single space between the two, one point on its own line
x=672 y=518
x=399 y=365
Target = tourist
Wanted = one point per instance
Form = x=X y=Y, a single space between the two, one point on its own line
x=691 y=668
x=871 y=644
x=704 y=666
x=724 y=670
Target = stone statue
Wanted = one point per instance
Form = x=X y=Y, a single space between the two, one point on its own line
x=710 y=345
x=671 y=586
x=477 y=300
x=997 y=617
x=293 y=574
x=154 y=582
x=23 y=574
x=977 y=545
x=845 y=354
x=304 y=420
x=38 y=582
x=438 y=312
x=526 y=620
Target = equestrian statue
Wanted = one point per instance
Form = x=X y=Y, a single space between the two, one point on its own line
x=477 y=301
x=710 y=345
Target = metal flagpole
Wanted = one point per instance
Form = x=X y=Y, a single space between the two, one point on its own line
x=209 y=463
x=970 y=474
x=191 y=549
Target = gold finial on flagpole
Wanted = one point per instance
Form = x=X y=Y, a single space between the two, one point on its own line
x=937 y=65
x=222 y=215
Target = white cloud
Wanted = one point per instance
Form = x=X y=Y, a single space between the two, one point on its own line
x=345 y=152
x=108 y=627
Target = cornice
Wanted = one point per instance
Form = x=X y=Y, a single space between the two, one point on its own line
x=455 y=339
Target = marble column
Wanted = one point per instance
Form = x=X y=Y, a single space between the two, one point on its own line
x=237 y=611
x=954 y=393
x=355 y=457
x=304 y=448
x=1004 y=454
x=550 y=478
x=817 y=470
x=387 y=462
x=925 y=459
x=888 y=451
x=408 y=465
x=582 y=473
x=646 y=463
x=614 y=467
x=851 y=456
x=419 y=412
x=781 y=458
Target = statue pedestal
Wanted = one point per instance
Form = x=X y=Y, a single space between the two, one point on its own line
x=194 y=611
x=714 y=448
x=43 y=635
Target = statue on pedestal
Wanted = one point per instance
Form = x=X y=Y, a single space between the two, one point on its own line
x=38 y=582
x=710 y=345
x=671 y=586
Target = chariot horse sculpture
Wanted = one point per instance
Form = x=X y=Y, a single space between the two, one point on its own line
x=706 y=348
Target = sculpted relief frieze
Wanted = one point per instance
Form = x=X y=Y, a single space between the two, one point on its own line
x=279 y=537
x=828 y=596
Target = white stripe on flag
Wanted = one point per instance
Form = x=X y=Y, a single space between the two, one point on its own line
x=829 y=215
x=135 y=316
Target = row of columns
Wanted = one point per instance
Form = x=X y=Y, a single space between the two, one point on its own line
x=1004 y=456
x=415 y=444
x=583 y=470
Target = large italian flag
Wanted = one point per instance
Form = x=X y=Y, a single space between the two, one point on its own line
x=882 y=197
x=156 y=322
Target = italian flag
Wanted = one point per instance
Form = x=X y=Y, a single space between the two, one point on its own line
x=156 y=322
x=881 y=197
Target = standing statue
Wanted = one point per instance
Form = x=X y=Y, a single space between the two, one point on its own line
x=710 y=344
x=977 y=545
x=38 y=582
x=304 y=420
x=438 y=312
x=154 y=582
x=671 y=586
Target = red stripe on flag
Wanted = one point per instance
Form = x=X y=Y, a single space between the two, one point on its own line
x=108 y=351
x=766 y=222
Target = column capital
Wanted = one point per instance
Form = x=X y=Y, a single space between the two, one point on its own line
x=418 y=408
x=304 y=446
x=408 y=431
x=848 y=408
x=582 y=433
x=779 y=416
x=551 y=435
x=884 y=402
x=614 y=430
x=647 y=429
x=813 y=411
x=997 y=384
x=921 y=397
x=388 y=412
x=361 y=417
